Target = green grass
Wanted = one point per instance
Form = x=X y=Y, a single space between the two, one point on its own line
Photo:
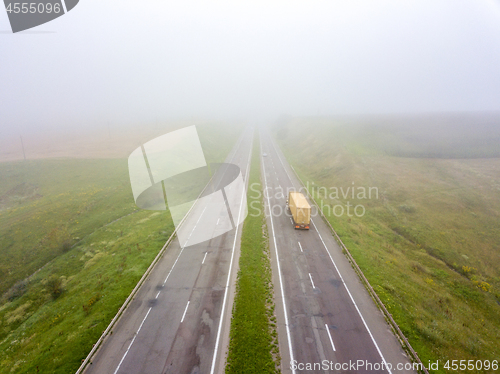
x=428 y=244
x=53 y=334
x=69 y=199
x=72 y=247
x=253 y=346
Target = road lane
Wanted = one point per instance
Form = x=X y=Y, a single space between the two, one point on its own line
x=330 y=314
x=172 y=324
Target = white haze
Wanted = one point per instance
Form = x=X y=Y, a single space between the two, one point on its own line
x=129 y=61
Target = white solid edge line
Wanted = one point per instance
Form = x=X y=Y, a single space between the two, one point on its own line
x=352 y=299
x=204 y=257
x=185 y=310
x=279 y=272
x=338 y=272
x=299 y=245
x=132 y=342
x=214 y=359
x=330 y=336
x=311 y=280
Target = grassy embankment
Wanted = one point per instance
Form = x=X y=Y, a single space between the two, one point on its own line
x=429 y=241
x=253 y=346
x=72 y=247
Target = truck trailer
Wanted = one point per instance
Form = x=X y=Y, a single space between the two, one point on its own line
x=300 y=210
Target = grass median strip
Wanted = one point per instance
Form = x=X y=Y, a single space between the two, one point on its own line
x=253 y=346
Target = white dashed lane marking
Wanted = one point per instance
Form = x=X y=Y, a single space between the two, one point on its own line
x=331 y=340
x=185 y=310
x=311 y=280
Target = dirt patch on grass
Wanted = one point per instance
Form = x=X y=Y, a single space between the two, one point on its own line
x=19 y=194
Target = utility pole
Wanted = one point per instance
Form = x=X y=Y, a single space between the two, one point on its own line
x=22 y=144
x=109 y=138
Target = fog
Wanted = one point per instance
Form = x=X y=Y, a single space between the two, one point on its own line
x=124 y=62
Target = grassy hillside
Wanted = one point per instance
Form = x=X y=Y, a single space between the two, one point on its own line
x=429 y=239
x=72 y=247
x=50 y=205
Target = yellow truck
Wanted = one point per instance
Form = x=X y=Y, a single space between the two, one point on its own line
x=300 y=210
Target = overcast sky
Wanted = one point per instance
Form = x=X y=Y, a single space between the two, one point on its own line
x=132 y=61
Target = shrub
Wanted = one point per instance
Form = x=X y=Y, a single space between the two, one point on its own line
x=482 y=285
x=17 y=290
x=54 y=286
x=66 y=245
x=407 y=208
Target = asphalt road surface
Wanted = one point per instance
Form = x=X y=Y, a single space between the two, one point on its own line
x=173 y=325
x=325 y=315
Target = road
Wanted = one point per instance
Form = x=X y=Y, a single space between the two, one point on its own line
x=323 y=310
x=173 y=325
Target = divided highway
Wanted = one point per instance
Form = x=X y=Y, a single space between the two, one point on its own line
x=173 y=325
x=325 y=315
x=179 y=320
